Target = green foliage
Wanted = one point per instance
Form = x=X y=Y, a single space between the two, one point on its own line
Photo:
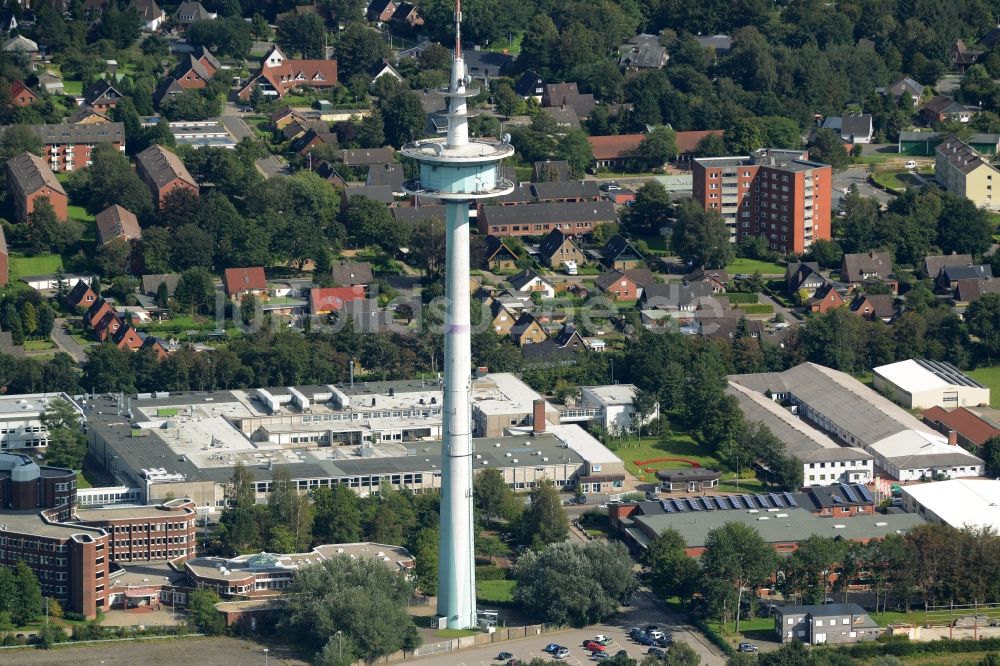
x=671 y=571
x=700 y=236
x=337 y=516
x=20 y=594
x=303 y=34
x=195 y=291
x=493 y=499
x=67 y=443
x=426 y=554
x=229 y=36
x=735 y=559
x=544 y=522
x=202 y=613
x=238 y=525
x=827 y=147
x=402 y=115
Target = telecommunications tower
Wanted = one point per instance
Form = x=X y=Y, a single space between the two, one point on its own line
x=458 y=172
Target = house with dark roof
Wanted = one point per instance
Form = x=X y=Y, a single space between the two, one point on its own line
x=21 y=95
x=410 y=215
x=96 y=312
x=8 y=23
x=406 y=14
x=196 y=69
x=540 y=218
x=117 y=223
x=967 y=291
x=528 y=282
x=550 y=171
x=619 y=253
x=825 y=299
x=126 y=337
x=826 y=624
x=874 y=306
x=380 y=11
x=563 y=116
x=560 y=349
x=530 y=85
x=559 y=248
x=68 y=147
x=312 y=139
x=241 y=281
x=329 y=173
x=728 y=328
x=642 y=52
x=969 y=429
x=949 y=276
x=87 y=116
x=853 y=129
x=566 y=191
x=934 y=263
x=192 y=12
x=163 y=172
x=101 y=96
x=384 y=68
x=805 y=275
x=158 y=345
x=150 y=14
x=568 y=94
x=905 y=86
x=81 y=296
x=497 y=256
x=527 y=330
x=718 y=278
x=856 y=268
x=167 y=88
x=352 y=274
x=107 y=324
x=150 y=284
x=941 y=109
x=485 y=65
x=675 y=297
x=369 y=156
x=29 y=180
x=386 y=175
x=380 y=193
x=624 y=285
x=278 y=75
x=962 y=56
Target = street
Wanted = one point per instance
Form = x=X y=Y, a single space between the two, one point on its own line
x=643 y=612
x=66 y=343
x=271 y=165
x=856 y=175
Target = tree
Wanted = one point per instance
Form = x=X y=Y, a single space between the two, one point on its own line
x=425 y=552
x=991 y=456
x=154 y=248
x=47 y=233
x=202 y=613
x=983 y=320
x=572 y=583
x=115 y=257
x=46 y=320
x=701 y=237
x=681 y=654
x=18 y=139
x=110 y=180
x=290 y=510
x=402 y=115
x=735 y=559
x=491 y=546
x=371 y=130
x=492 y=497
x=427 y=247
x=827 y=147
x=248 y=308
x=302 y=33
x=827 y=253
x=651 y=211
x=238 y=523
x=643 y=406
x=545 y=521
x=657 y=148
x=29 y=318
x=67 y=444
x=963 y=228
x=337 y=516
x=508 y=103
x=195 y=291
x=712 y=145
x=671 y=571
x=360 y=599
x=358 y=49
x=369 y=222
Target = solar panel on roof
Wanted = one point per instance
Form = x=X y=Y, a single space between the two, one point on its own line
x=777 y=500
x=708 y=504
x=668 y=506
x=791 y=499
x=694 y=504
x=681 y=505
x=749 y=501
x=850 y=494
x=737 y=502
x=863 y=491
x=721 y=503
x=762 y=501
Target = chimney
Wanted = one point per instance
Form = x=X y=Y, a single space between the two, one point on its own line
x=952 y=438
x=538 y=416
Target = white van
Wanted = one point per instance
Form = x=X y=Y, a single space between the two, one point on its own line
x=570 y=267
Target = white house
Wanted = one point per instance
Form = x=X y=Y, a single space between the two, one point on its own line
x=614 y=404
x=529 y=282
x=914 y=455
x=919 y=384
x=21 y=423
x=959 y=502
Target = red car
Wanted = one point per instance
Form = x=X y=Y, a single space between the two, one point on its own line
x=593 y=646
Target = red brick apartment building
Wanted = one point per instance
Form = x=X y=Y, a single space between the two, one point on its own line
x=777 y=194
x=71 y=550
x=163 y=172
x=69 y=147
x=29 y=179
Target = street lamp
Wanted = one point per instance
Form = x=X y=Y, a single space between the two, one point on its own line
x=265 y=656
x=340 y=645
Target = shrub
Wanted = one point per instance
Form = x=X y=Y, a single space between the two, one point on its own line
x=490 y=572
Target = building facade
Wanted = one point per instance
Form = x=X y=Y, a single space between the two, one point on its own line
x=29 y=180
x=829 y=623
x=961 y=170
x=775 y=194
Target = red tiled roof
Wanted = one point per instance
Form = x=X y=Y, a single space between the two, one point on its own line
x=18 y=87
x=687 y=142
x=332 y=299
x=964 y=422
x=238 y=280
x=610 y=147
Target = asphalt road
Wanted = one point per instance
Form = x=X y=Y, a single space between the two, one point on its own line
x=643 y=612
x=856 y=175
x=66 y=343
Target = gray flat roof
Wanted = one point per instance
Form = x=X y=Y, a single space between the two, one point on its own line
x=31 y=522
x=127 y=512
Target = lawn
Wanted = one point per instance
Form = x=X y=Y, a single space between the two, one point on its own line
x=82 y=482
x=42 y=264
x=79 y=213
x=495 y=591
x=681 y=446
x=38 y=345
x=989 y=377
x=751 y=266
x=513 y=47
x=72 y=87
x=82 y=339
x=934 y=617
x=455 y=633
x=296 y=100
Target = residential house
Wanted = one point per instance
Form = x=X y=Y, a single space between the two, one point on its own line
x=192 y=12
x=241 y=281
x=386 y=175
x=527 y=330
x=29 y=179
x=674 y=297
x=194 y=71
x=624 y=285
x=619 y=253
x=117 y=223
x=406 y=14
x=299 y=126
x=69 y=147
x=571 y=191
x=934 y=263
x=963 y=57
x=539 y=219
x=381 y=193
x=126 y=337
x=87 y=116
x=967 y=291
x=96 y=312
x=616 y=151
x=329 y=173
x=688 y=142
x=21 y=44
x=826 y=298
x=826 y=624
x=530 y=85
x=497 y=256
x=278 y=75
x=163 y=172
x=568 y=94
x=564 y=117
x=150 y=14
x=380 y=11
x=856 y=268
x=158 y=345
x=559 y=349
x=941 y=109
x=949 y=276
x=504 y=313
x=962 y=171
x=874 y=306
x=529 y=282
x=383 y=68
x=368 y=157
x=165 y=89
x=852 y=129
x=324 y=301
x=107 y=325
x=550 y=171
x=486 y=65
x=717 y=44
x=21 y=95
x=642 y=52
x=51 y=83
x=410 y=215
x=312 y=139
x=8 y=23
x=717 y=278
x=967 y=428
x=81 y=296
x=352 y=274
x=282 y=117
x=728 y=328
x=906 y=86
x=558 y=248
x=101 y=96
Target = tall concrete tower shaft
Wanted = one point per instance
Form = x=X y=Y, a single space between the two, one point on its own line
x=458 y=172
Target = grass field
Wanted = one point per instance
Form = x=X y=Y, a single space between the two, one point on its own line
x=681 y=446
x=934 y=617
x=989 y=377
x=79 y=213
x=513 y=47
x=751 y=266
x=82 y=482
x=38 y=345
x=72 y=87
x=41 y=264
x=495 y=591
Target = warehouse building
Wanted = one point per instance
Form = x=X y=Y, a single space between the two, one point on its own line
x=959 y=502
x=920 y=384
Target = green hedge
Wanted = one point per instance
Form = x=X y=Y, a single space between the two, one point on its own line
x=758 y=308
x=490 y=572
x=738 y=297
x=903 y=647
x=712 y=635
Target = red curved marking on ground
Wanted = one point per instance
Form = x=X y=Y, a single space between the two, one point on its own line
x=639 y=463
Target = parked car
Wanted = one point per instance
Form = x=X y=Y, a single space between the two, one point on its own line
x=593 y=646
x=600 y=656
x=666 y=641
x=656 y=652
x=552 y=648
x=656 y=634
x=562 y=653
x=747 y=647
x=644 y=639
x=504 y=656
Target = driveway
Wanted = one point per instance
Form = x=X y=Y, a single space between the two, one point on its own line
x=272 y=166
x=644 y=611
x=235 y=126
x=857 y=175
x=66 y=343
